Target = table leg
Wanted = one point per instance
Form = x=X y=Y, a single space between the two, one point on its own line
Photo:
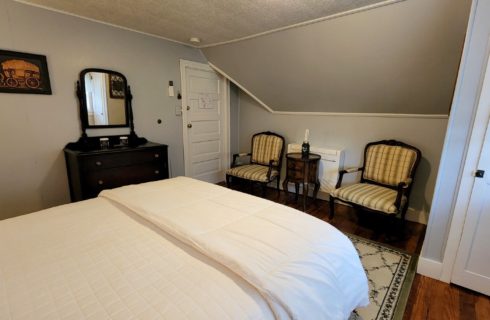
x=305 y=194
x=306 y=185
x=317 y=187
x=285 y=188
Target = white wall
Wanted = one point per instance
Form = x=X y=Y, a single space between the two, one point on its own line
x=35 y=128
x=352 y=133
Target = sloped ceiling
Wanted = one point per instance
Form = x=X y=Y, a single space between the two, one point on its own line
x=402 y=58
x=212 y=21
x=398 y=57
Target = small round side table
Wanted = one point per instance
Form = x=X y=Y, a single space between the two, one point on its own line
x=302 y=170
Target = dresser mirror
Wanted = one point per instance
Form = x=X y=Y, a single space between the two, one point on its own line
x=104 y=99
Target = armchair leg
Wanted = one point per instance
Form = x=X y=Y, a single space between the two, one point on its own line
x=264 y=189
x=403 y=222
x=228 y=181
x=277 y=186
x=331 y=205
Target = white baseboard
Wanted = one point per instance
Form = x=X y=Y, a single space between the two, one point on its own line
x=429 y=268
x=417 y=216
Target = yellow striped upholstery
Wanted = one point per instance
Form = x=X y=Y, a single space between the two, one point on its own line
x=389 y=165
x=265 y=148
x=253 y=172
x=370 y=196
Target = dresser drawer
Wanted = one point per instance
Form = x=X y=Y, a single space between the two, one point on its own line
x=121 y=159
x=296 y=169
x=295 y=165
x=95 y=181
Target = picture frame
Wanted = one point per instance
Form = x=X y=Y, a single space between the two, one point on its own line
x=117 y=88
x=22 y=72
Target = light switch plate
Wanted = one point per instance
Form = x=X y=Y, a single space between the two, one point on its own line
x=178 y=110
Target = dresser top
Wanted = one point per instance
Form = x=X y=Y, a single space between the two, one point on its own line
x=71 y=148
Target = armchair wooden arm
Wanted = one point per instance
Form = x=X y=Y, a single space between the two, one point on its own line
x=402 y=189
x=271 y=165
x=236 y=155
x=342 y=172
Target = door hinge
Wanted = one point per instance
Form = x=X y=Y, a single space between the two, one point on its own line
x=479 y=173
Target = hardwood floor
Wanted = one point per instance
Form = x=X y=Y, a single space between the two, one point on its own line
x=429 y=298
x=432 y=299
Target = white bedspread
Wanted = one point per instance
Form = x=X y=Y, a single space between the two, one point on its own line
x=303 y=267
x=94 y=260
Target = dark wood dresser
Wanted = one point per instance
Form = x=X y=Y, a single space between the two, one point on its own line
x=90 y=172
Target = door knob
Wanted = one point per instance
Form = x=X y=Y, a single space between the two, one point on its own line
x=189 y=125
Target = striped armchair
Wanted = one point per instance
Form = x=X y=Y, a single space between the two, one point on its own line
x=265 y=161
x=386 y=180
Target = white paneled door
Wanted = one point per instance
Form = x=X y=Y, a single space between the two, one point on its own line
x=205 y=115
x=472 y=264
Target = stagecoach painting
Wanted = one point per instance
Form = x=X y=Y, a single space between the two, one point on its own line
x=23 y=73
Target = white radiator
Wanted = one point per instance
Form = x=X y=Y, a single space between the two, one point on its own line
x=331 y=162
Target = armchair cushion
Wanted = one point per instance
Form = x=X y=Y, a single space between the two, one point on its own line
x=371 y=196
x=389 y=165
x=253 y=172
x=266 y=148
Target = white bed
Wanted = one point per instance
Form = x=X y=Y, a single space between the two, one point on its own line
x=176 y=249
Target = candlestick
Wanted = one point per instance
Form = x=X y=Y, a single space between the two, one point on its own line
x=307 y=135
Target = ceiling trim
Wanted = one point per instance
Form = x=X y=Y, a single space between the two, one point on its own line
x=353 y=114
x=304 y=23
x=102 y=22
x=224 y=74
x=332 y=114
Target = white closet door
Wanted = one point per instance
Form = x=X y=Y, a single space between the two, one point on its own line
x=472 y=264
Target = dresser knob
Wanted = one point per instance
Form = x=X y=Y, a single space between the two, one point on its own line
x=157 y=155
x=157 y=171
x=101 y=182
x=98 y=163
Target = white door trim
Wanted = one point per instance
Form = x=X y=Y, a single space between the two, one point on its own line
x=225 y=102
x=467 y=179
x=328 y=114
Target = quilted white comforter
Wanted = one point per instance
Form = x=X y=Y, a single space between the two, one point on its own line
x=135 y=257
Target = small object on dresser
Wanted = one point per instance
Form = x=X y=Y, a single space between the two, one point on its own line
x=104 y=143
x=123 y=141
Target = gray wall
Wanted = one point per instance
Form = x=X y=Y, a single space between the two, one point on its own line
x=35 y=128
x=399 y=58
x=352 y=133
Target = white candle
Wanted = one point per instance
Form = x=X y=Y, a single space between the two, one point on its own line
x=307 y=135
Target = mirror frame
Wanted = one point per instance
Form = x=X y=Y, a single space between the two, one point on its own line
x=83 y=100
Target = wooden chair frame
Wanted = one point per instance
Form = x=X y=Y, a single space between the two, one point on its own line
x=271 y=165
x=404 y=188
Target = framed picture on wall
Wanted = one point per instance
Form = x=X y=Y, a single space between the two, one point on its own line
x=23 y=73
x=116 y=86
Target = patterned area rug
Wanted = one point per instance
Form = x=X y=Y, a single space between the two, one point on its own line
x=390 y=274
